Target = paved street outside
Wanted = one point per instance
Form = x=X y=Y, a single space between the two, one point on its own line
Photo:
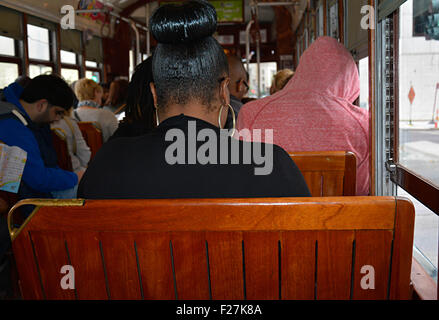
x=419 y=152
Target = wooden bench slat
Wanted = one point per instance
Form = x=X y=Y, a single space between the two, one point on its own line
x=372 y=248
x=121 y=265
x=328 y=173
x=226 y=265
x=261 y=256
x=190 y=263
x=85 y=255
x=50 y=250
x=154 y=254
x=334 y=264
x=298 y=265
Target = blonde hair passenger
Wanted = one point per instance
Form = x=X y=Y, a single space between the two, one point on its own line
x=90 y=94
x=280 y=79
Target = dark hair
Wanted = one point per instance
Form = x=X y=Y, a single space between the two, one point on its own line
x=23 y=81
x=140 y=103
x=50 y=87
x=188 y=62
x=118 y=92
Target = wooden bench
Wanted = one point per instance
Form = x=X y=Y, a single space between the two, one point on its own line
x=92 y=135
x=328 y=173
x=62 y=150
x=263 y=249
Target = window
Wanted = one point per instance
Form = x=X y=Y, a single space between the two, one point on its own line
x=7 y=46
x=268 y=70
x=93 y=75
x=70 y=75
x=39 y=43
x=364 y=83
x=418 y=99
x=68 y=57
x=426 y=235
x=91 y=64
x=36 y=70
x=8 y=73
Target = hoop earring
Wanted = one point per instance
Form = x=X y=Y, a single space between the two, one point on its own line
x=157 y=116
x=233 y=115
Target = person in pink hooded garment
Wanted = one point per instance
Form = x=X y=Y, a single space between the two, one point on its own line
x=315 y=110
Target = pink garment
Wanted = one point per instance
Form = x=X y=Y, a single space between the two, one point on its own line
x=315 y=111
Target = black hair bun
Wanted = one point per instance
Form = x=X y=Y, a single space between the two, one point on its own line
x=182 y=23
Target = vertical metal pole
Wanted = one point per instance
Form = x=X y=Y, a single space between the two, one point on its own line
x=247 y=43
x=258 y=60
x=138 y=60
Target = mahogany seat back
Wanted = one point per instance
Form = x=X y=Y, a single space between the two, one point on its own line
x=61 y=148
x=263 y=249
x=92 y=135
x=328 y=173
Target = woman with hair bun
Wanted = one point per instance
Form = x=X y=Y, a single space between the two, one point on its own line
x=188 y=155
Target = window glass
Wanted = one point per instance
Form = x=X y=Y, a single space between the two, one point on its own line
x=268 y=70
x=36 y=70
x=364 y=82
x=7 y=46
x=70 y=75
x=132 y=66
x=68 y=57
x=8 y=73
x=91 y=64
x=426 y=235
x=95 y=76
x=419 y=91
x=38 y=40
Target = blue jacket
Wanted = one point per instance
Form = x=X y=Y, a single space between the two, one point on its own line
x=41 y=174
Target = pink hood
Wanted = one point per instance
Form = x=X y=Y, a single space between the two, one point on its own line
x=315 y=110
x=327 y=68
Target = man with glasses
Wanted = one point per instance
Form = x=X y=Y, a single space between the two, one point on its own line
x=25 y=115
x=238 y=86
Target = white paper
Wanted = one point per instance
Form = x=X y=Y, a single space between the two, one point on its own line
x=12 y=162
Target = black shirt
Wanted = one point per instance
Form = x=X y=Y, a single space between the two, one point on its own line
x=139 y=167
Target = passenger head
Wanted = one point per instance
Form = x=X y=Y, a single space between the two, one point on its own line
x=327 y=67
x=280 y=79
x=47 y=98
x=238 y=85
x=88 y=90
x=140 y=103
x=118 y=93
x=189 y=66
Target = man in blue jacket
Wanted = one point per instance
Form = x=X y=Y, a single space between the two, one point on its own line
x=25 y=115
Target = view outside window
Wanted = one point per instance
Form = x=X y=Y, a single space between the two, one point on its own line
x=36 y=70
x=68 y=57
x=39 y=44
x=70 y=75
x=7 y=46
x=95 y=76
x=91 y=64
x=8 y=73
x=364 y=83
x=268 y=70
x=419 y=116
x=418 y=94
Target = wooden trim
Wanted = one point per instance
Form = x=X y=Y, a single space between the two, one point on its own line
x=341 y=20
x=422 y=189
x=43 y=62
x=349 y=188
x=341 y=213
x=57 y=49
x=25 y=46
x=402 y=250
x=424 y=286
x=325 y=17
x=10 y=59
x=372 y=105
